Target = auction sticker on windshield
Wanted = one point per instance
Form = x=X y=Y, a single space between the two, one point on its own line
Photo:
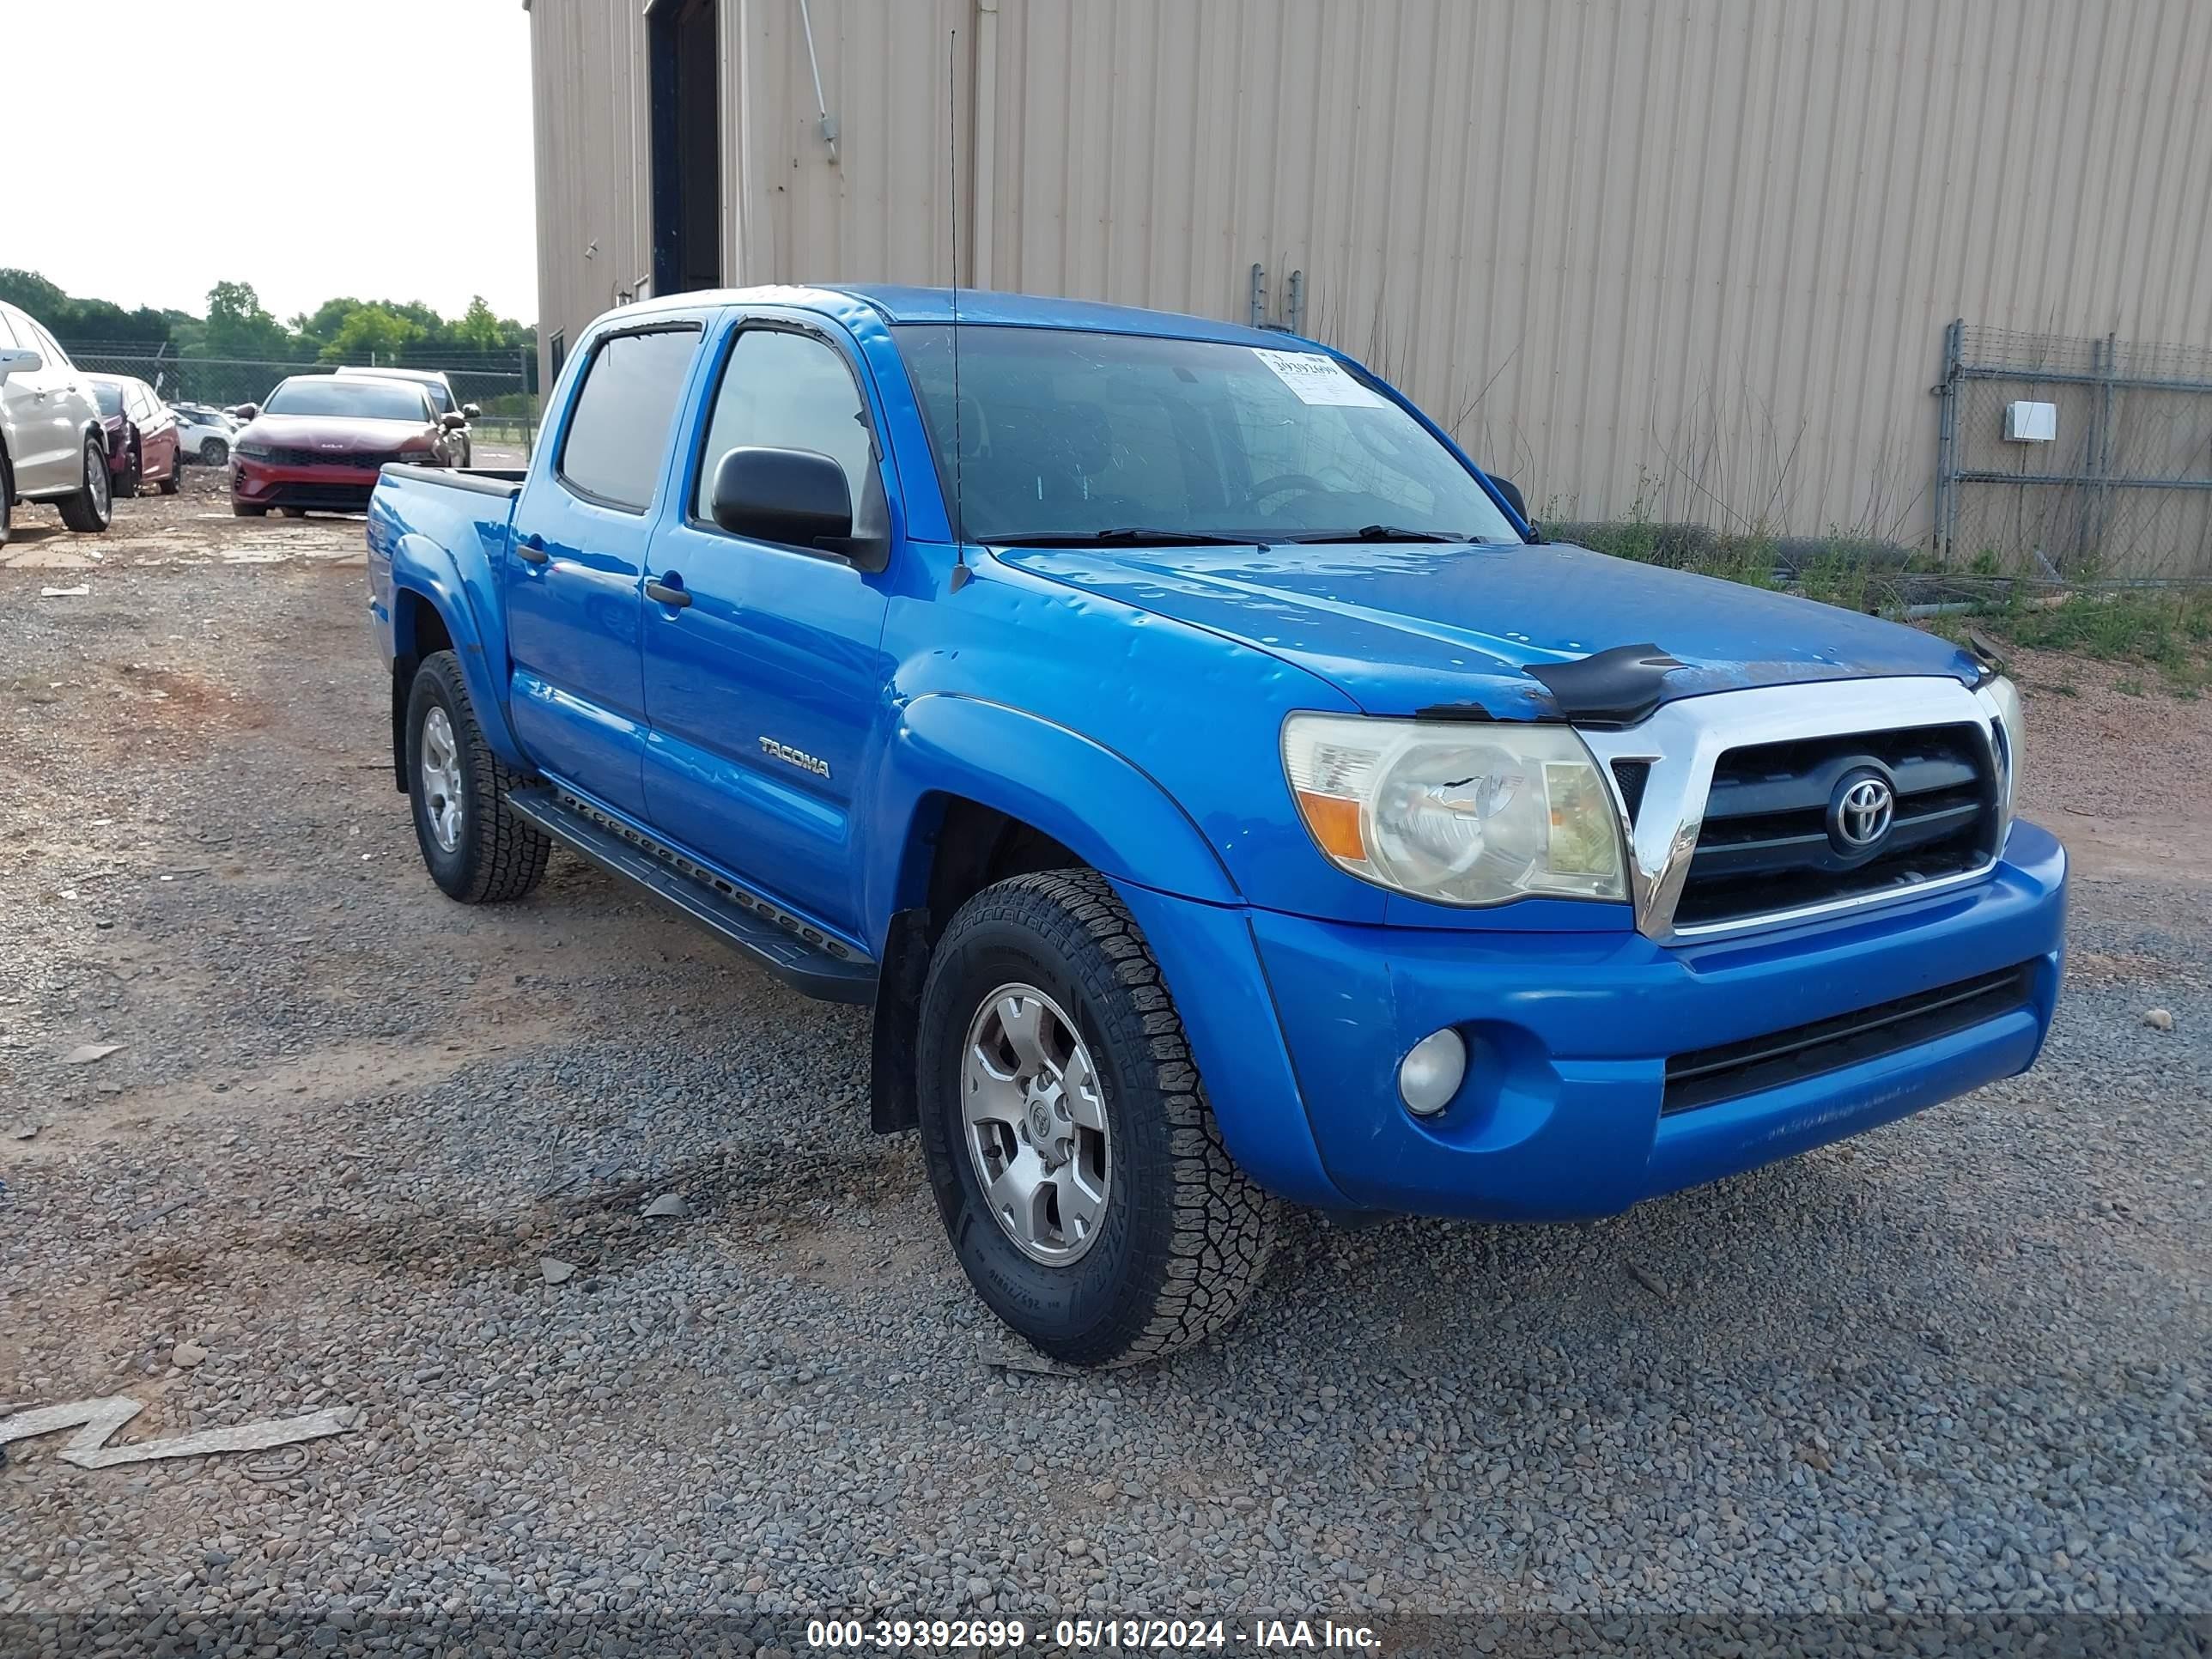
x=1317 y=378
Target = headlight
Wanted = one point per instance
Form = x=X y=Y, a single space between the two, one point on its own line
x=2001 y=698
x=252 y=451
x=1460 y=814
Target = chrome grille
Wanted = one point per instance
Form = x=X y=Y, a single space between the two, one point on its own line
x=1765 y=844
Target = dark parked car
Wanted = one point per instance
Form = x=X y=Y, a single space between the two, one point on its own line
x=141 y=433
x=319 y=440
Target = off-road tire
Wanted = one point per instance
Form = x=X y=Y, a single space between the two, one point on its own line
x=502 y=854
x=91 y=511
x=1185 y=1235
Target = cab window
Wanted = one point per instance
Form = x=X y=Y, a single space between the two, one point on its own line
x=619 y=424
x=785 y=391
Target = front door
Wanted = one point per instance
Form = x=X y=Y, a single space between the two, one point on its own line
x=762 y=689
x=575 y=562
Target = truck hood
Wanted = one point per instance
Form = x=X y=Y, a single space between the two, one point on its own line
x=1399 y=627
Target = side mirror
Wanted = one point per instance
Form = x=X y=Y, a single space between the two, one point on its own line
x=471 y=412
x=453 y=420
x=17 y=360
x=1511 y=491
x=793 y=497
x=247 y=412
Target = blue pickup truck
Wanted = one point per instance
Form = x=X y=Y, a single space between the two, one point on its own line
x=1220 y=791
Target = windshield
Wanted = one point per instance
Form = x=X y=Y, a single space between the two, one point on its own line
x=109 y=397
x=1067 y=434
x=367 y=400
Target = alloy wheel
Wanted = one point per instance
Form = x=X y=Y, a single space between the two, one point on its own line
x=1034 y=1121
x=441 y=779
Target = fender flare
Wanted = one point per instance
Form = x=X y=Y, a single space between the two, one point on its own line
x=1097 y=803
x=433 y=575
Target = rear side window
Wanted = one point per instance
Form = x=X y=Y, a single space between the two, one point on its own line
x=618 y=436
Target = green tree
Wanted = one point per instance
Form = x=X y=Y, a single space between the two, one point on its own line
x=238 y=327
x=372 y=333
x=74 y=319
x=478 y=330
x=316 y=329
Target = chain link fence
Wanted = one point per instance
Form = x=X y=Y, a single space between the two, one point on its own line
x=503 y=384
x=2121 y=487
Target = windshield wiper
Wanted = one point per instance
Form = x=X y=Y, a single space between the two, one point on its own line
x=1377 y=532
x=1131 y=536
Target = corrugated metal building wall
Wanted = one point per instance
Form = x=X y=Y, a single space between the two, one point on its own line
x=1699 y=253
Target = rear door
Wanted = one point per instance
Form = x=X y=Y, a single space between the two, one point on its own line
x=575 y=560
x=762 y=687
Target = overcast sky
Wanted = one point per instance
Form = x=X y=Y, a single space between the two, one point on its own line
x=379 y=149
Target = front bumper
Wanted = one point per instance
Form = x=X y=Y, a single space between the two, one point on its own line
x=334 y=488
x=1569 y=1037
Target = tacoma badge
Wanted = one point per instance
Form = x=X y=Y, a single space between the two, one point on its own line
x=797 y=758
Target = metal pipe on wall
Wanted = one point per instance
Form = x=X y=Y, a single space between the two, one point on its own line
x=983 y=100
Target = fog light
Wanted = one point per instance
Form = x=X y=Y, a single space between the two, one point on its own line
x=1432 y=1072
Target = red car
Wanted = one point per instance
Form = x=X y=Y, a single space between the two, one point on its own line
x=141 y=433
x=319 y=440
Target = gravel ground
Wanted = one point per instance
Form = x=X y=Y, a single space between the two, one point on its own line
x=1958 y=1366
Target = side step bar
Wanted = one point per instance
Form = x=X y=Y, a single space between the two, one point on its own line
x=801 y=956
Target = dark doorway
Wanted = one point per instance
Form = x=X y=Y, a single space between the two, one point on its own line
x=687 y=162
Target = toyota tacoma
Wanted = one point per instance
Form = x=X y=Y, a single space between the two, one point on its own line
x=1221 y=792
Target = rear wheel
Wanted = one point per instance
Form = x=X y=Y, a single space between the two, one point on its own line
x=91 y=509
x=479 y=850
x=7 y=501
x=295 y=511
x=133 y=475
x=214 y=451
x=1076 y=1163
x=242 y=510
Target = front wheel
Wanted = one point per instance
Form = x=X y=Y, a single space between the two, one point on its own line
x=1075 y=1161
x=91 y=509
x=479 y=850
x=214 y=451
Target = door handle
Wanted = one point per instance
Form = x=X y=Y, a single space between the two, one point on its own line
x=531 y=550
x=666 y=594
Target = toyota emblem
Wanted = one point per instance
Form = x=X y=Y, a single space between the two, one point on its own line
x=1860 y=815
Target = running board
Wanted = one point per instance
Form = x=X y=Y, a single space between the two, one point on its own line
x=801 y=955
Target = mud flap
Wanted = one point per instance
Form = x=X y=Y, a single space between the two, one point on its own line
x=892 y=1103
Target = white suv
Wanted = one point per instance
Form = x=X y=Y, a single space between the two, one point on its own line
x=53 y=446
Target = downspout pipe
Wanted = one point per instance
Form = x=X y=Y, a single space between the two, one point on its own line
x=829 y=121
x=983 y=100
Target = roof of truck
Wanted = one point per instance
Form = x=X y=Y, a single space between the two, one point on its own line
x=899 y=304
x=935 y=305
